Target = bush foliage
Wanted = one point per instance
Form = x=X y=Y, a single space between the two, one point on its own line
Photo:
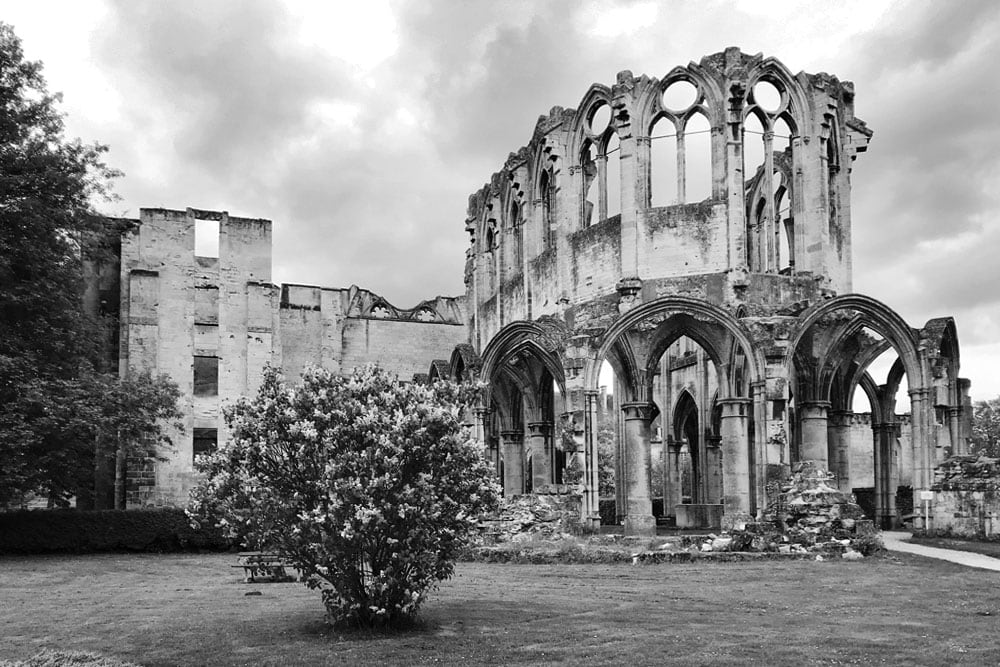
x=369 y=486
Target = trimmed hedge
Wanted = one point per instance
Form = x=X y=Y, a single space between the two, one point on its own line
x=73 y=531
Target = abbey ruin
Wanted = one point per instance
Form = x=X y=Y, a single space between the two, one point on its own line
x=690 y=235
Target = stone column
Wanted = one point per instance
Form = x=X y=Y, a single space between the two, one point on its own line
x=735 y=460
x=639 y=518
x=672 y=497
x=840 y=447
x=591 y=479
x=958 y=444
x=713 y=469
x=513 y=462
x=885 y=464
x=922 y=437
x=813 y=443
x=540 y=446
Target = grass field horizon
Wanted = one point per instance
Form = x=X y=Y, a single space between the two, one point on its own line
x=180 y=609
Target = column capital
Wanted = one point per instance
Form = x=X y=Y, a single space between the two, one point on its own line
x=539 y=428
x=511 y=435
x=815 y=405
x=919 y=393
x=841 y=417
x=639 y=410
x=735 y=407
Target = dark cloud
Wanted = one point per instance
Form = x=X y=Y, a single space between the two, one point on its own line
x=221 y=99
x=924 y=194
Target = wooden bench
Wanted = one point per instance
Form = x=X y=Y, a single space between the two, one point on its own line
x=258 y=565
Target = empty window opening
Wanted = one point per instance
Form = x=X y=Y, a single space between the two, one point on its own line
x=680 y=96
x=206 y=238
x=206 y=376
x=590 y=184
x=548 y=228
x=698 y=159
x=613 y=179
x=206 y=440
x=767 y=96
x=663 y=163
x=600 y=119
x=516 y=250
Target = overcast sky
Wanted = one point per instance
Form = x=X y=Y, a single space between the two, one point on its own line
x=360 y=128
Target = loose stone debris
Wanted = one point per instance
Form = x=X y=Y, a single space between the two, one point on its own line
x=808 y=518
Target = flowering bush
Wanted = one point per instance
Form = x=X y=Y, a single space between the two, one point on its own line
x=369 y=486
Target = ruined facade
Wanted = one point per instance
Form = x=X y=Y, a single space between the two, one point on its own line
x=213 y=323
x=692 y=233
x=716 y=283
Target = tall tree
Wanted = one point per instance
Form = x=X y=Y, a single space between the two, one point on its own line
x=986 y=427
x=53 y=401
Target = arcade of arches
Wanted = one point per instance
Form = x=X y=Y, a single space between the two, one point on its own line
x=698 y=306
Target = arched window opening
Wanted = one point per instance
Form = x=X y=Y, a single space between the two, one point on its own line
x=767 y=96
x=613 y=177
x=832 y=170
x=679 y=96
x=516 y=254
x=591 y=184
x=697 y=140
x=782 y=187
x=490 y=256
x=547 y=226
x=600 y=119
x=663 y=172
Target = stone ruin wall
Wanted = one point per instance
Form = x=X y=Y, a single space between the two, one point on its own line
x=178 y=309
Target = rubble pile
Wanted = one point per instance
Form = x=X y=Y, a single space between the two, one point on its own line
x=533 y=517
x=809 y=509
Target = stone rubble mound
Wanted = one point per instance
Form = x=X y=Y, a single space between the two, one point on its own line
x=809 y=508
x=533 y=517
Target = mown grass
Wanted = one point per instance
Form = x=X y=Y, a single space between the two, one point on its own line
x=192 y=610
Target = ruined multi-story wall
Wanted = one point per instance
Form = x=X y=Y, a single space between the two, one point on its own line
x=710 y=204
x=212 y=323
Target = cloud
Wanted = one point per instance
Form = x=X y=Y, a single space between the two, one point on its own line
x=925 y=202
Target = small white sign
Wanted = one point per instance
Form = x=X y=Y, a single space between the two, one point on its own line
x=927 y=495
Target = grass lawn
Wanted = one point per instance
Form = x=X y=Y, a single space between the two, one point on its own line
x=192 y=609
x=958 y=544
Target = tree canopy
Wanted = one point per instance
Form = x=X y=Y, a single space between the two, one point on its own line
x=986 y=427
x=58 y=389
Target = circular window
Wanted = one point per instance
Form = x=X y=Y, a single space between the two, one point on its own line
x=680 y=95
x=600 y=118
x=767 y=96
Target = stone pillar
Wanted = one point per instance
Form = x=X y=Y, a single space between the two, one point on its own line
x=639 y=518
x=885 y=477
x=672 y=496
x=735 y=460
x=513 y=463
x=922 y=437
x=713 y=469
x=540 y=446
x=813 y=443
x=591 y=479
x=840 y=447
x=958 y=444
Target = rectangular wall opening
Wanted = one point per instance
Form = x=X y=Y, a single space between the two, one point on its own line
x=206 y=238
x=206 y=376
x=205 y=440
